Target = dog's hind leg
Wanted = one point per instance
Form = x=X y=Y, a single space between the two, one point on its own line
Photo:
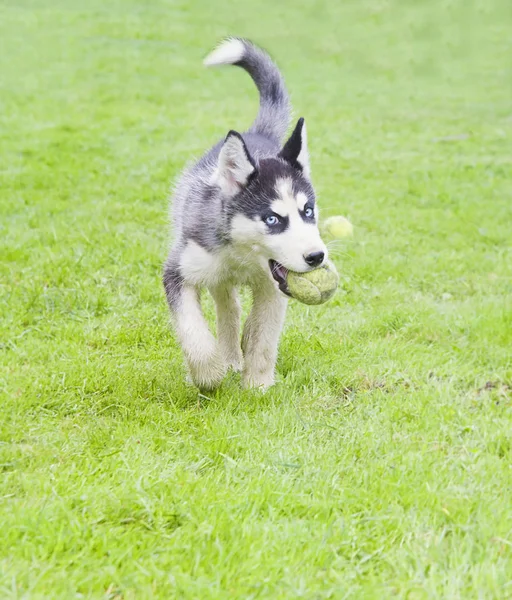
x=228 y=324
x=261 y=336
x=202 y=352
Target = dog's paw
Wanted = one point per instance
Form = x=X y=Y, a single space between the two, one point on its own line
x=235 y=361
x=258 y=380
x=208 y=372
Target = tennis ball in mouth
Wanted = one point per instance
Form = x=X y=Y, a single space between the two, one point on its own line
x=313 y=287
x=338 y=227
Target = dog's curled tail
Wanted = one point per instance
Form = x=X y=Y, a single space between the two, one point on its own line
x=274 y=115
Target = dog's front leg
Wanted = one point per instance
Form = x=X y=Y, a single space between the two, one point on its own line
x=202 y=353
x=261 y=336
x=228 y=324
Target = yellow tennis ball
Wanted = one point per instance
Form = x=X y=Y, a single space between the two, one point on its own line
x=313 y=287
x=338 y=227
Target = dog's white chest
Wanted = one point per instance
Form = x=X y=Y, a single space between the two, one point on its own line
x=200 y=267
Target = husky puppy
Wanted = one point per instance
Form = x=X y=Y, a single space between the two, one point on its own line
x=243 y=214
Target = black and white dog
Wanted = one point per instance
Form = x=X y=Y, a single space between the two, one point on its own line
x=243 y=214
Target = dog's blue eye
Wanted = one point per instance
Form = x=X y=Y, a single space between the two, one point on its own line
x=309 y=212
x=271 y=220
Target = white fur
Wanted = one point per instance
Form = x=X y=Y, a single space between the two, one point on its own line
x=261 y=335
x=198 y=265
x=233 y=168
x=203 y=355
x=303 y=158
x=234 y=265
x=228 y=324
x=207 y=359
x=227 y=53
x=287 y=202
x=246 y=230
x=285 y=196
x=301 y=200
x=280 y=207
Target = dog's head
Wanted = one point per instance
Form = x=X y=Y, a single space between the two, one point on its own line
x=270 y=204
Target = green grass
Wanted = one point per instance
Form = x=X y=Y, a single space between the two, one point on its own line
x=380 y=465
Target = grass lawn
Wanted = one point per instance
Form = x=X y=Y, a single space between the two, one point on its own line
x=380 y=464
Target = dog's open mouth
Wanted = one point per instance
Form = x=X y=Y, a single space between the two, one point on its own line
x=279 y=273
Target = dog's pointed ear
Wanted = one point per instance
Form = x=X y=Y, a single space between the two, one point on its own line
x=235 y=166
x=295 y=151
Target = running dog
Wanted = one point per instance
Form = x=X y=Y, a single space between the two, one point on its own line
x=244 y=214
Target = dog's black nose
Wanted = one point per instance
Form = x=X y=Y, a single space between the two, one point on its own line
x=314 y=259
